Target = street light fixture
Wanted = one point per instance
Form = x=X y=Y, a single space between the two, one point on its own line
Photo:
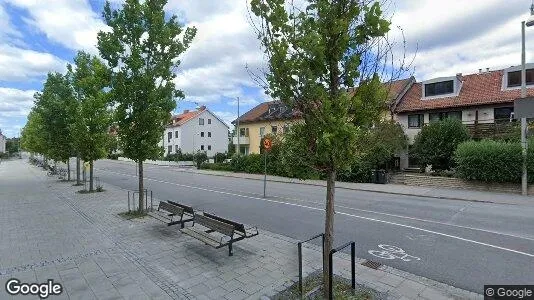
x=524 y=145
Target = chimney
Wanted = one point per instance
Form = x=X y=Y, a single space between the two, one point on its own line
x=479 y=71
x=186 y=111
x=487 y=70
x=203 y=107
x=459 y=76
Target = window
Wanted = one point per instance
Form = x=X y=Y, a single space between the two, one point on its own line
x=209 y=121
x=274 y=129
x=200 y=121
x=176 y=134
x=514 y=78
x=439 y=88
x=176 y=148
x=169 y=136
x=286 y=128
x=243 y=131
x=209 y=147
x=415 y=121
x=202 y=134
x=433 y=117
x=202 y=147
x=262 y=131
x=209 y=133
x=502 y=114
x=169 y=149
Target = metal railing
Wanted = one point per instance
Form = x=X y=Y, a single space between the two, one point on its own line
x=133 y=193
x=299 y=245
x=331 y=267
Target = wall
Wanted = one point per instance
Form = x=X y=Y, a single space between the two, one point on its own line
x=254 y=132
x=456 y=183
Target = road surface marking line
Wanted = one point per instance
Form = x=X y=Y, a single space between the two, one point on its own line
x=341 y=213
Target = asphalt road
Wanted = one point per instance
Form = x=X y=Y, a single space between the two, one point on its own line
x=460 y=243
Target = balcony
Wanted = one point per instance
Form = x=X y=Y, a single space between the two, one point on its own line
x=244 y=140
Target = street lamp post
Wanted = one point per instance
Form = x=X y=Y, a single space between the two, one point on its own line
x=524 y=144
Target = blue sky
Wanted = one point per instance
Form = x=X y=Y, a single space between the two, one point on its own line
x=38 y=36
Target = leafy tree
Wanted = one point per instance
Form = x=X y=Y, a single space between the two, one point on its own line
x=12 y=145
x=33 y=137
x=435 y=144
x=316 y=52
x=56 y=105
x=384 y=140
x=93 y=117
x=142 y=49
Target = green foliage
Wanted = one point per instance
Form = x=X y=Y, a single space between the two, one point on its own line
x=217 y=166
x=199 y=158
x=142 y=48
x=12 y=145
x=382 y=142
x=93 y=116
x=56 y=105
x=312 y=53
x=179 y=156
x=435 y=143
x=492 y=161
x=219 y=157
x=33 y=136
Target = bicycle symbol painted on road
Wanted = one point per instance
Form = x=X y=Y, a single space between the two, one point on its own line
x=392 y=252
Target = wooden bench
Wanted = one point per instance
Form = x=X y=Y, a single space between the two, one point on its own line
x=229 y=231
x=171 y=214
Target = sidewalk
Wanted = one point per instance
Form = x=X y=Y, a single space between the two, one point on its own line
x=398 y=189
x=50 y=231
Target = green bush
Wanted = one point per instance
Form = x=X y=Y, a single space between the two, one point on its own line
x=199 y=158
x=114 y=156
x=219 y=157
x=490 y=161
x=217 y=166
x=435 y=144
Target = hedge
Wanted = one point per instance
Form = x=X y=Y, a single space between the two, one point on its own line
x=492 y=161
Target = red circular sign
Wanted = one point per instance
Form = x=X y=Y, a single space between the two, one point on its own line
x=267 y=144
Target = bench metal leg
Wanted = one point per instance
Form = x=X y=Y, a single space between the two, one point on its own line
x=230 y=249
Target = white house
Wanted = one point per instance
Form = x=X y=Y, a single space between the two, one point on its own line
x=2 y=143
x=197 y=130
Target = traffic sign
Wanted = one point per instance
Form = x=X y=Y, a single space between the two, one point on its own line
x=267 y=144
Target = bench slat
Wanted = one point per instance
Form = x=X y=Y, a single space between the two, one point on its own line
x=237 y=226
x=202 y=236
x=160 y=216
x=187 y=209
x=176 y=210
x=216 y=225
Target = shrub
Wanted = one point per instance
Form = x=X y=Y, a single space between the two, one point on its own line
x=489 y=161
x=436 y=143
x=113 y=156
x=219 y=157
x=217 y=166
x=199 y=158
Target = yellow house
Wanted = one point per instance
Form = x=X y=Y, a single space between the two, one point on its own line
x=266 y=118
x=275 y=118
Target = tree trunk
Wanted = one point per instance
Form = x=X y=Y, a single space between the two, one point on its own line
x=78 y=170
x=141 y=188
x=68 y=169
x=91 y=176
x=328 y=227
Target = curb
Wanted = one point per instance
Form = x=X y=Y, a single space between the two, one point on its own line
x=178 y=169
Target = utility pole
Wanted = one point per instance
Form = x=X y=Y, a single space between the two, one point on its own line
x=524 y=145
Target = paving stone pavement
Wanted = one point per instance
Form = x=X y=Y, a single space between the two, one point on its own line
x=51 y=232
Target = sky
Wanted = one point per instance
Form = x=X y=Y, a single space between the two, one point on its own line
x=442 y=37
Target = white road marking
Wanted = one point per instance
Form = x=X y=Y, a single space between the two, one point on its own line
x=390 y=215
x=392 y=252
x=340 y=213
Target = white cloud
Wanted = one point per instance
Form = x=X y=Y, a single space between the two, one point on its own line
x=71 y=23
x=227 y=117
x=15 y=103
x=459 y=37
x=225 y=44
x=20 y=64
x=7 y=31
